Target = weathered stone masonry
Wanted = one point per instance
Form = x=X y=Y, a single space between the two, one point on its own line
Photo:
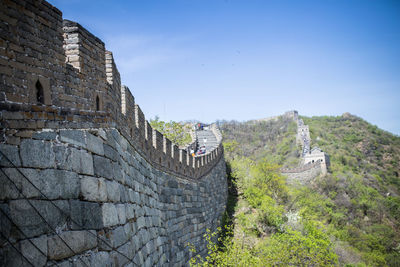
x=90 y=183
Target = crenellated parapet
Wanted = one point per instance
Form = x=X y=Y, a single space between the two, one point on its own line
x=61 y=76
x=84 y=179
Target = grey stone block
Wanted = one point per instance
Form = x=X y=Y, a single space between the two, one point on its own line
x=172 y=183
x=150 y=247
x=130 y=211
x=82 y=162
x=74 y=137
x=29 y=221
x=141 y=222
x=81 y=260
x=9 y=156
x=129 y=181
x=123 y=194
x=105 y=241
x=93 y=189
x=54 y=184
x=110 y=138
x=46 y=135
x=101 y=259
x=37 y=153
x=127 y=250
x=100 y=132
x=109 y=214
x=11 y=257
x=128 y=230
x=139 y=211
x=118 y=259
x=86 y=215
x=138 y=259
x=78 y=241
x=26 y=218
x=121 y=210
x=136 y=198
x=10 y=183
x=35 y=250
x=148 y=262
x=134 y=227
x=77 y=160
x=130 y=195
x=140 y=178
x=5 y=223
x=118 y=174
x=110 y=152
x=135 y=242
x=94 y=144
x=118 y=236
x=113 y=191
x=103 y=167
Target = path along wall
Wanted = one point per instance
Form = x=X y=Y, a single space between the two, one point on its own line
x=89 y=182
x=303 y=174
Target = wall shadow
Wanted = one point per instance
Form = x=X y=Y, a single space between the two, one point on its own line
x=227 y=225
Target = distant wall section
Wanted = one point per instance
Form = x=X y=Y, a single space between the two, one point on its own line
x=303 y=174
x=315 y=162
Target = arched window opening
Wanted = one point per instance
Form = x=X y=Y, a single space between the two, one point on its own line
x=39 y=93
x=97 y=103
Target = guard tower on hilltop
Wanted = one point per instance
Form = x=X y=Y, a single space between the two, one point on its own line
x=317 y=155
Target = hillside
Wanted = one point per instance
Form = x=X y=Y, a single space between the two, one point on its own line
x=272 y=140
x=349 y=217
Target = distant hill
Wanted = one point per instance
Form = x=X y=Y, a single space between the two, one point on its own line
x=273 y=140
x=358 y=202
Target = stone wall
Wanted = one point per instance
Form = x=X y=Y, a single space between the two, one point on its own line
x=89 y=182
x=314 y=162
x=55 y=74
x=303 y=174
x=104 y=199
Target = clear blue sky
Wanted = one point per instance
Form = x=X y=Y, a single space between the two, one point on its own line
x=242 y=60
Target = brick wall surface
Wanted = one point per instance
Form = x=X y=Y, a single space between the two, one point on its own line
x=104 y=199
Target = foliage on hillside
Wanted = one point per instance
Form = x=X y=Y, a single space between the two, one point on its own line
x=363 y=189
x=273 y=140
x=263 y=232
x=358 y=147
x=350 y=217
x=178 y=133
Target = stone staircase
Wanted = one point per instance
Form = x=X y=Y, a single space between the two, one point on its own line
x=305 y=139
x=206 y=138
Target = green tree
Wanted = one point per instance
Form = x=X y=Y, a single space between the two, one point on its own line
x=178 y=133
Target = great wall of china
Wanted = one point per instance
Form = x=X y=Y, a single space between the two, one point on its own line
x=85 y=180
x=314 y=162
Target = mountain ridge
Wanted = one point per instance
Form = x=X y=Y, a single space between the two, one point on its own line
x=357 y=203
